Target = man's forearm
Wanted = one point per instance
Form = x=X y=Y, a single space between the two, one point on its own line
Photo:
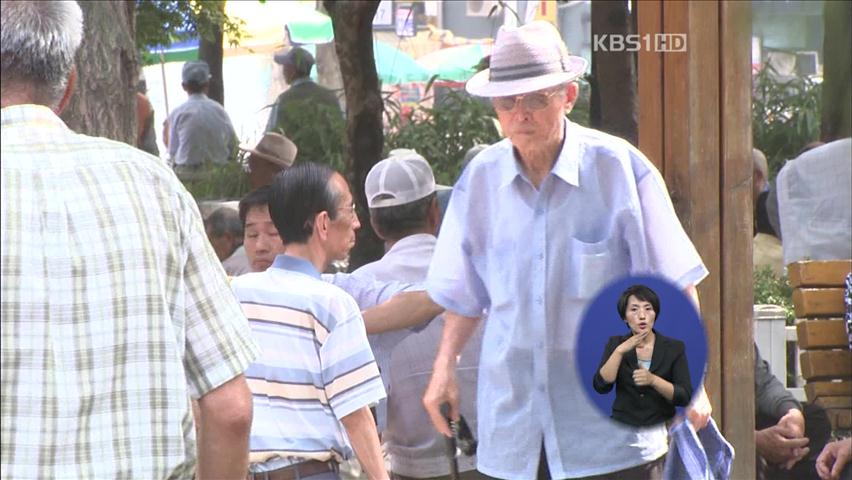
x=404 y=310
x=361 y=429
x=223 y=434
x=457 y=331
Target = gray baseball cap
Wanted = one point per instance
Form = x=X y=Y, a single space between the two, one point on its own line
x=295 y=56
x=196 y=72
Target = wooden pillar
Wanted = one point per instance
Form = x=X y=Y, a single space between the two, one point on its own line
x=695 y=125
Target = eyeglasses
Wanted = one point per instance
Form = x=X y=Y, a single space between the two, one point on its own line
x=530 y=101
x=349 y=210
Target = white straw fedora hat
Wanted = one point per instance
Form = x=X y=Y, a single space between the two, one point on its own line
x=525 y=59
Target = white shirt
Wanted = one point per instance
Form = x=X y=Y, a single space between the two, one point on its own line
x=415 y=448
x=815 y=203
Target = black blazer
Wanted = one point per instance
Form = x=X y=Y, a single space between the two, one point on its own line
x=644 y=406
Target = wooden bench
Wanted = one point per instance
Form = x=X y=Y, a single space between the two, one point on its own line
x=825 y=358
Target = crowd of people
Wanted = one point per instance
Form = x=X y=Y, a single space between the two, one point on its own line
x=129 y=352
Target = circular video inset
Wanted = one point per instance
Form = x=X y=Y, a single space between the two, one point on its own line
x=641 y=350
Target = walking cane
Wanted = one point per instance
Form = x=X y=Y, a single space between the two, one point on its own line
x=452 y=449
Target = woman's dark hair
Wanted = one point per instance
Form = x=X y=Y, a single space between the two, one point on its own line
x=298 y=194
x=642 y=293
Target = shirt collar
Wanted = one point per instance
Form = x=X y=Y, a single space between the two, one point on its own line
x=29 y=114
x=295 y=264
x=197 y=96
x=412 y=241
x=567 y=164
x=300 y=81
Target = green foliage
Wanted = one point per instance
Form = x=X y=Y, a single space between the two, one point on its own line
x=163 y=22
x=317 y=130
x=442 y=133
x=785 y=116
x=219 y=181
x=770 y=289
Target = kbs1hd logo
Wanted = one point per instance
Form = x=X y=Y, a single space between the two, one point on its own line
x=656 y=42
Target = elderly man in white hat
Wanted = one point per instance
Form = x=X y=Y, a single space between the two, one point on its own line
x=538 y=223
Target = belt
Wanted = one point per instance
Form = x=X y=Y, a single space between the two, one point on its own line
x=292 y=472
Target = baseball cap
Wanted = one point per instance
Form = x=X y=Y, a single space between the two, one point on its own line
x=404 y=177
x=196 y=71
x=295 y=56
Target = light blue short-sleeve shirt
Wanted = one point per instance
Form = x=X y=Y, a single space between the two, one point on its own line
x=534 y=259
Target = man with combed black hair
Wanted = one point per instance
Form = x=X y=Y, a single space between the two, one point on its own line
x=115 y=313
x=316 y=376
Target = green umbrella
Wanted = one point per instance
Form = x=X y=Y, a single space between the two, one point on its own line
x=454 y=63
x=395 y=66
x=310 y=26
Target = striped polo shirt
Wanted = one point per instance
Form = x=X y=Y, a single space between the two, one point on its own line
x=315 y=368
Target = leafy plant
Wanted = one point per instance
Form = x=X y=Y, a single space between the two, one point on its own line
x=228 y=181
x=785 y=115
x=442 y=133
x=770 y=289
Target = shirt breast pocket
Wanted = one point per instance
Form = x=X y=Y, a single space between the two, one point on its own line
x=594 y=265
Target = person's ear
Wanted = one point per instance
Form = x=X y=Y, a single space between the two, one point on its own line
x=572 y=91
x=69 y=89
x=322 y=222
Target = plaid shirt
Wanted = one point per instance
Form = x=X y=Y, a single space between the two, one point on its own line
x=115 y=310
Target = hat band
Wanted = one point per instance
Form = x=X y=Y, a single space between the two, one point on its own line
x=529 y=70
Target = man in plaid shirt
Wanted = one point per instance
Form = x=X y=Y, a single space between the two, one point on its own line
x=115 y=310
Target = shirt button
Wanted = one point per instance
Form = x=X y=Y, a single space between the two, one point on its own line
x=539 y=300
x=539 y=211
x=541 y=388
x=541 y=256
x=539 y=345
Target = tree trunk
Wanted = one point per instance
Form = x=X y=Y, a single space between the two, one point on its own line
x=612 y=104
x=353 y=41
x=837 y=72
x=211 y=50
x=104 y=100
x=328 y=68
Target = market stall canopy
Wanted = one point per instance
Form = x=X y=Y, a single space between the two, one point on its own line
x=455 y=63
x=395 y=66
x=263 y=30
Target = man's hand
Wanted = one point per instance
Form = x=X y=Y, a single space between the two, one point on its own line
x=833 y=458
x=629 y=344
x=783 y=443
x=794 y=421
x=699 y=411
x=443 y=388
x=642 y=377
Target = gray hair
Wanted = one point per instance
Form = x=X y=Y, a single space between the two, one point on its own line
x=39 y=40
x=225 y=220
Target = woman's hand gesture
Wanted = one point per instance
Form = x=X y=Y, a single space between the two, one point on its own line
x=629 y=344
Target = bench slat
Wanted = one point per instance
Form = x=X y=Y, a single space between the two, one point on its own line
x=819 y=273
x=826 y=364
x=818 y=302
x=816 y=390
x=829 y=333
